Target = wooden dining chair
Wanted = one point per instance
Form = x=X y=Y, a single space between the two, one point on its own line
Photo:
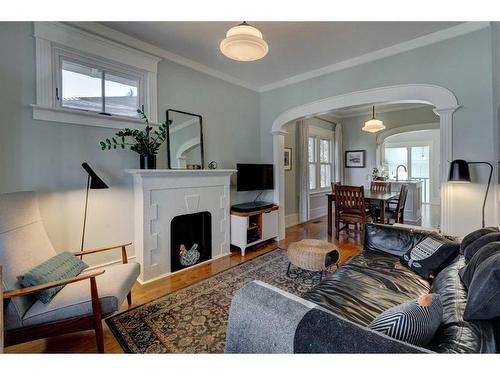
x=350 y=209
x=395 y=211
x=380 y=186
x=333 y=186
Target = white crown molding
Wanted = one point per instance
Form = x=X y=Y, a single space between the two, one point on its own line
x=123 y=38
x=99 y=45
x=422 y=41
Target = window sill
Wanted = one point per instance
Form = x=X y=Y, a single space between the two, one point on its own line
x=72 y=116
x=319 y=193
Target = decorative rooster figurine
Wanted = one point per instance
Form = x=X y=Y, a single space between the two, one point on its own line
x=189 y=257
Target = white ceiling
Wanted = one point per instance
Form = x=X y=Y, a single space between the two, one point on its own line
x=295 y=48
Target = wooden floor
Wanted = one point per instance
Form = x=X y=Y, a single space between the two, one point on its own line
x=84 y=342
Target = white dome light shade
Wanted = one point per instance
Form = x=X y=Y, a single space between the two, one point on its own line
x=373 y=125
x=244 y=43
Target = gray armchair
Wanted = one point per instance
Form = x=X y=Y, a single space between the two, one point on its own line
x=83 y=301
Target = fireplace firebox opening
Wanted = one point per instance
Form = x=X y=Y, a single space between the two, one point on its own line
x=191 y=240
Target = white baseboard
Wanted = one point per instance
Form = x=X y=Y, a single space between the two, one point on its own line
x=291 y=220
x=318 y=212
x=117 y=261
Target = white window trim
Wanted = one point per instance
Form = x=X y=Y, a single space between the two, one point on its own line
x=55 y=38
x=321 y=133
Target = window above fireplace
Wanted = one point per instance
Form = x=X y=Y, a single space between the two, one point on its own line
x=86 y=79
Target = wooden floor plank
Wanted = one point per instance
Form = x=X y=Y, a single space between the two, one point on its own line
x=84 y=342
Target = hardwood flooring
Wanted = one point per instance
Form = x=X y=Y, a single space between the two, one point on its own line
x=84 y=342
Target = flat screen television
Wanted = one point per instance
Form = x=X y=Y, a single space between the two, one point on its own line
x=254 y=177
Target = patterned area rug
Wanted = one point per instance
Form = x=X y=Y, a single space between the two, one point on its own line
x=193 y=319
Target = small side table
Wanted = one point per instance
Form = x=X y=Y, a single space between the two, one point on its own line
x=312 y=255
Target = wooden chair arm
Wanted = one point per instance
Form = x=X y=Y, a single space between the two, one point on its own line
x=33 y=289
x=99 y=250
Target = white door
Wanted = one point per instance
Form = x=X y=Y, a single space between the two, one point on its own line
x=270 y=225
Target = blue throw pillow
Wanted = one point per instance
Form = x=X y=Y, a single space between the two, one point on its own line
x=473 y=236
x=414 y=322
x=472 y=248
x=62 y=266
x=483 y=296
x=467 y=272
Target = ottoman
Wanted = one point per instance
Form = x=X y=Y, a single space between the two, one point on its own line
x=312 y=255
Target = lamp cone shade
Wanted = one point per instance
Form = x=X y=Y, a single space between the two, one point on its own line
x=459 y=171
x=244 y=43
x=95 y=180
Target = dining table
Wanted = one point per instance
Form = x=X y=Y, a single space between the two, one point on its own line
x=374 y=197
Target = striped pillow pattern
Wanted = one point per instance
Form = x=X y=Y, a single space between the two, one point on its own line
x=62 y=266
x=411 y=322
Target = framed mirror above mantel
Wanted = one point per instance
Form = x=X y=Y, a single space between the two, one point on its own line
x=184 y=140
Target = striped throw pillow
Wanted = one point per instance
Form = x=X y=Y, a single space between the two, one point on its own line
x=62 y=266
x=414 y=322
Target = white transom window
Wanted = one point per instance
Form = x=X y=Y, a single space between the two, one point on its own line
x=86 y=79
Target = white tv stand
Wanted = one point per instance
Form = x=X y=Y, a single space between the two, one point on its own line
x=253 y=227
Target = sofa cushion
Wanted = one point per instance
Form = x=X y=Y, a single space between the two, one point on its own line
x=471 y=249
x=414 y=322
x=467 y=272
x=456 y=335
x=473 y=236
x=62 y=266
x=430 y=255
x=75 y=300
x=390 y=239
x=366 y=285
x=483 y=299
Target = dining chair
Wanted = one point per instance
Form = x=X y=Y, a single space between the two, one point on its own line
x=333 y=186
x=395 y=210
x=350 y=209
x=380 y=186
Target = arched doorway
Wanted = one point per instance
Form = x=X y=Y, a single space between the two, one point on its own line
x=445 y=104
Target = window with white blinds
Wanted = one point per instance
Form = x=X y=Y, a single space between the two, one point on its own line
x=320 y=157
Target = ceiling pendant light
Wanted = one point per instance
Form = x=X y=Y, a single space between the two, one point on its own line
x=244 y=43
x=373 y=125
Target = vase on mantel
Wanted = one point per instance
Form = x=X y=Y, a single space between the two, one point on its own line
x=147 y=161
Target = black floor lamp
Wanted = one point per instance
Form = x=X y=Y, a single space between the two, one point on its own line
x=93 y=182
x=459 y=172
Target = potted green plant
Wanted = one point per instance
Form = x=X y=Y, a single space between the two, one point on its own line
x=145 y=142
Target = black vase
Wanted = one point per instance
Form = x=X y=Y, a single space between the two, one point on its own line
x=148 y=161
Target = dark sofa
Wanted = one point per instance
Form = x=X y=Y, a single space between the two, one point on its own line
x=334 y=315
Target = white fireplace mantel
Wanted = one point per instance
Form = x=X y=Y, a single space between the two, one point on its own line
x=181 y=172
x=162 y=194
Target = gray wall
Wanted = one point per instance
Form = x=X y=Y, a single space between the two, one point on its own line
x=462 y=64
x=356 y=139
x=46 y=156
